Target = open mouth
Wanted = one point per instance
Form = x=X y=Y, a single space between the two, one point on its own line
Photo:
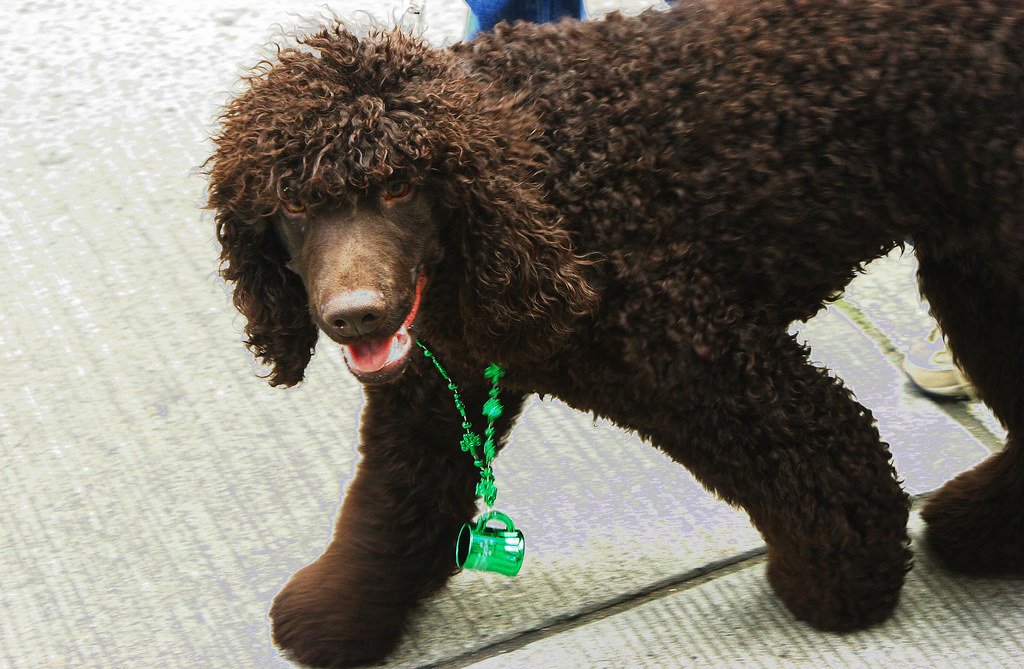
x=383 y=359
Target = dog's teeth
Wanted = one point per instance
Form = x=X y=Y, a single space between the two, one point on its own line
x=400 y=345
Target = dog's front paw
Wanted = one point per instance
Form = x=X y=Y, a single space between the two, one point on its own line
x=320 y=624
x=840 y=592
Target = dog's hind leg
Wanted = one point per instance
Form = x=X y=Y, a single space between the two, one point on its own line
x=770 y=432
x=394 y=540
x=976 y=520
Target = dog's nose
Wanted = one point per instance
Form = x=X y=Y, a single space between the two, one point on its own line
x=356 y=314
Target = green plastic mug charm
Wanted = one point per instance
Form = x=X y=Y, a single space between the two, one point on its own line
x=491 y=544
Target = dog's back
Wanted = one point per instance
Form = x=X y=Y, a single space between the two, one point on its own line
x=770 y=120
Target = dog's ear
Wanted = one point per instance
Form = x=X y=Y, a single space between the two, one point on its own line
x=279 y=329
x=524 y=285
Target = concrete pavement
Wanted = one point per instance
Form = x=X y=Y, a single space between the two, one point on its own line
x=156 y=495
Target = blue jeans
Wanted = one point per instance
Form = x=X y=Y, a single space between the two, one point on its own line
x=487 y=13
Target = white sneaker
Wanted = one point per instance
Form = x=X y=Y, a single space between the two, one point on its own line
x=414 y=17
x=929 y=364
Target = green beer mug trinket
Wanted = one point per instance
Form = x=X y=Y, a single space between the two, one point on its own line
x=491 y=544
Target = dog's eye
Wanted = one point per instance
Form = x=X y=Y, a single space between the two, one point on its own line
x=291 y=203
x=293 y=208
x=396 y=190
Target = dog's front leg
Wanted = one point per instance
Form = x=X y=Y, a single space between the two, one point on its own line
x=394 y=540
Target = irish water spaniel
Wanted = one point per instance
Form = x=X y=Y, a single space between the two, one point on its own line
x=628 y=214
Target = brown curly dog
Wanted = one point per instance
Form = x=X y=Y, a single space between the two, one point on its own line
x=628 y=214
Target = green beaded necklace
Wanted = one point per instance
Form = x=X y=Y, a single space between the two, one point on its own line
x=471 y=440
x=492 y=543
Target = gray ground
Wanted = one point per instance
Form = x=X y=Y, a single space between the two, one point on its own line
x=155 y=494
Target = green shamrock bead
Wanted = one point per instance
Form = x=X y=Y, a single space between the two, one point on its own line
x=486 y=487
x=470 y=442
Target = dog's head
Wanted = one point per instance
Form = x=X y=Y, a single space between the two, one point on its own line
x=352 y=174
x=365 y=266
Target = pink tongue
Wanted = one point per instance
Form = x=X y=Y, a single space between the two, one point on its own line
x=372 y=356
x=369 y=356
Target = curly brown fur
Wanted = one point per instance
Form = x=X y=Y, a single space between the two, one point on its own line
x=629 y=214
